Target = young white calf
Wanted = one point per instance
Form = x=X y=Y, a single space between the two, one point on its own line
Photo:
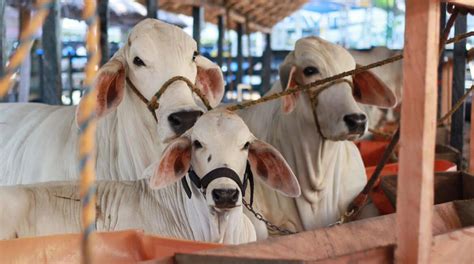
x=205 y=205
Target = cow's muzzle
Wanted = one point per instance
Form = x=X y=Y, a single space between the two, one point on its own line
x=223 y=198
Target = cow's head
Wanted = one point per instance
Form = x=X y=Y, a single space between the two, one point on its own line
x=338 y=114
x=220 y=139
x=154 y=53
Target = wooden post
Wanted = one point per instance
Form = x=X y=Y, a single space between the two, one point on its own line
x=198 y=15
x=471 y=147
x=69 y=77
x=459 y=72
x=25 y=68
x=442 y=24
x=418 y=128
x=52 y=56
x=152 y=8
x=249 y=72
x=103 y=11
x=220 y=40
x=267 y=64
x=40 y=54
x=240 y=56
x=3 y=39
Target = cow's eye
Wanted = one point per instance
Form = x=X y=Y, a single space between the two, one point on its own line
x=197 y=144
x=137 y=61
x=308 y=71
x=246 y=146
x=195 y=54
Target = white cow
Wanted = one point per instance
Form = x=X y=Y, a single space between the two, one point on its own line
x=328 y=167
x=217 y=149
x=391 y=74
x=38 y=142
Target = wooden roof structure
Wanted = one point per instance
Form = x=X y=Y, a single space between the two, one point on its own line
x=261 y=15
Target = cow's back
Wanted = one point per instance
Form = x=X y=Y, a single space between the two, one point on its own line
x=37 y=143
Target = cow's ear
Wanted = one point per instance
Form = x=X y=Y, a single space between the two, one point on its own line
x=289 y=101
x=287 y=80
x=369 y=89
x=209 y=80
x=173 y=165
x=267 y=163
x=109 y=85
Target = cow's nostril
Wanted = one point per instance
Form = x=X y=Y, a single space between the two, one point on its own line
x=356 y=123
x=182 y=121
x=174 y=120
x=216 y=195
x=235 y=196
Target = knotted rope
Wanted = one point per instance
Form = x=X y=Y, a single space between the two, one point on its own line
x=26 y=42
x=87 y=124
x=153 y=104
x=317 y=83
x=313 y=98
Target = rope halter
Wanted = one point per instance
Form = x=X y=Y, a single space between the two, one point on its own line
x=153 y=104
x=313 y=96
x=222 y=172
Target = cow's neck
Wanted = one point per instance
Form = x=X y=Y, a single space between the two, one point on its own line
x=127 y=140
x=195 y=218
x=314 y=161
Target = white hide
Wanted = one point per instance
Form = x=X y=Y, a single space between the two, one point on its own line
x=330 y=170
x=39 y=142
x=54 y=208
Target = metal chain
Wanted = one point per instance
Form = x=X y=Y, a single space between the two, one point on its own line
x=271 y=227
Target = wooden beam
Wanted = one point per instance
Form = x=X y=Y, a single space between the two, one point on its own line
x=198 y=16
x=418 y=128
x=42 y=89
x=446 y=95
x=220 y=40
x=471 y=147
x=218 y=9
x=234 y=16
x=104 y=15
x=3 y=40
x=25 y=67
x=454 y=247
x=152 y=9
x=459 y=72
x=442 y=23
x=52 y=56
x=240 y=56
x=3 y=45
x=197 y=259
x=468 y=3
x=267 y=64
x=335 y=241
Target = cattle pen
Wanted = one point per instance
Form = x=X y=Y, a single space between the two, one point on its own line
x=419 y=231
